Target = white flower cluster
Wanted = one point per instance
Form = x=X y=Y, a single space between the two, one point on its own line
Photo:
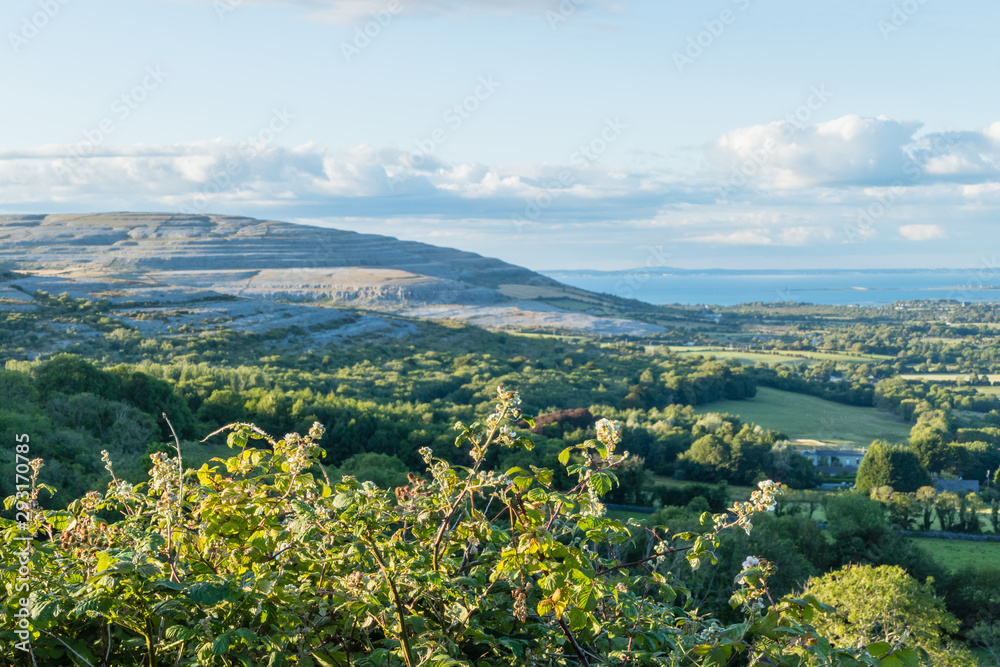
x=609 y=432
x=506 y=435
x=592 y=506
x=757 y=587
x=761 y=500
x=297 y=450
x=509 y=400
x=162 y=474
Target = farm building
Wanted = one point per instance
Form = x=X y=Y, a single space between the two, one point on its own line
x=835 y=461
x=959 y=486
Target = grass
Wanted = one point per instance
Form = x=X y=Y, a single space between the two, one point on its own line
x=957 y=554
x=945 y=377
x=750 y=357
x=735 y=492
x=783 y=356
x=807 y=417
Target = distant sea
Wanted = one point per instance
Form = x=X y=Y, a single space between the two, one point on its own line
x=828 y=287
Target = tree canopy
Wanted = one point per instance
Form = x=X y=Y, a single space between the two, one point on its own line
x=885 y=604
x=891 y=465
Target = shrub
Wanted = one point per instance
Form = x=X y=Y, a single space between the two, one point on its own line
x=259 y=559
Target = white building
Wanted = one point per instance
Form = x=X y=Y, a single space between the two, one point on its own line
x=836 y=458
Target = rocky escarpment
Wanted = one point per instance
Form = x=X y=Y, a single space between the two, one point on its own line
x=147 y=242
x=134 y=256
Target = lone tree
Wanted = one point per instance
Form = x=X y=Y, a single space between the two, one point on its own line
x=885 y=604
x=891 y=465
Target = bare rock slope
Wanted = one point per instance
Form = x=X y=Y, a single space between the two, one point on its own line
x=131 y=255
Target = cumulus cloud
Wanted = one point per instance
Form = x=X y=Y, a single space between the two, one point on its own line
x=851 y=152
x=216 y=175
x=922 y=232
x=808 y=185
x=846 y=151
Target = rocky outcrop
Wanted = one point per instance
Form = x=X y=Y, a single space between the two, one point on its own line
x=139 y=255
x=149 y=242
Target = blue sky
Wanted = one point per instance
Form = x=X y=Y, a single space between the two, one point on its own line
x=577 y=134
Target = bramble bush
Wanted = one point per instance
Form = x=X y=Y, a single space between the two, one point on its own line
x=260 y=559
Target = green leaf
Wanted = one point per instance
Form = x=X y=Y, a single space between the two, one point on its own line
x=879 y=649
x=564 y=456
x=892 y=661
x=334 y=659
x=221 y=644
x=246 y=634
x=181 y=632
x=104 y=563
x=578 y=619
x=516 y=647
x=304 y=508
x=537 y=495
x=522 y=482
x=205 y=654
x=58 y=520
x=543 y=475
x=602 y=482
x=206 y=593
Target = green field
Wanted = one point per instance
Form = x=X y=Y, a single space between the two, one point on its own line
x=739 y=355
x=807 y=417
x=956 y=554
x=783 y=356
x=945 y=377
x=736 y=492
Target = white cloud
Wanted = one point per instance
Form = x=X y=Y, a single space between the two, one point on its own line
x=744 y=237
x=215 y=175
x=846 y=151
x=811 y=185
x=922 y=232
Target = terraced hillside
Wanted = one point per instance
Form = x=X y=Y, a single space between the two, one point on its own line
x=144 y=258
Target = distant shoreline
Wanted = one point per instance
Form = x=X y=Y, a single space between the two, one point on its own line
x=831 y=287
